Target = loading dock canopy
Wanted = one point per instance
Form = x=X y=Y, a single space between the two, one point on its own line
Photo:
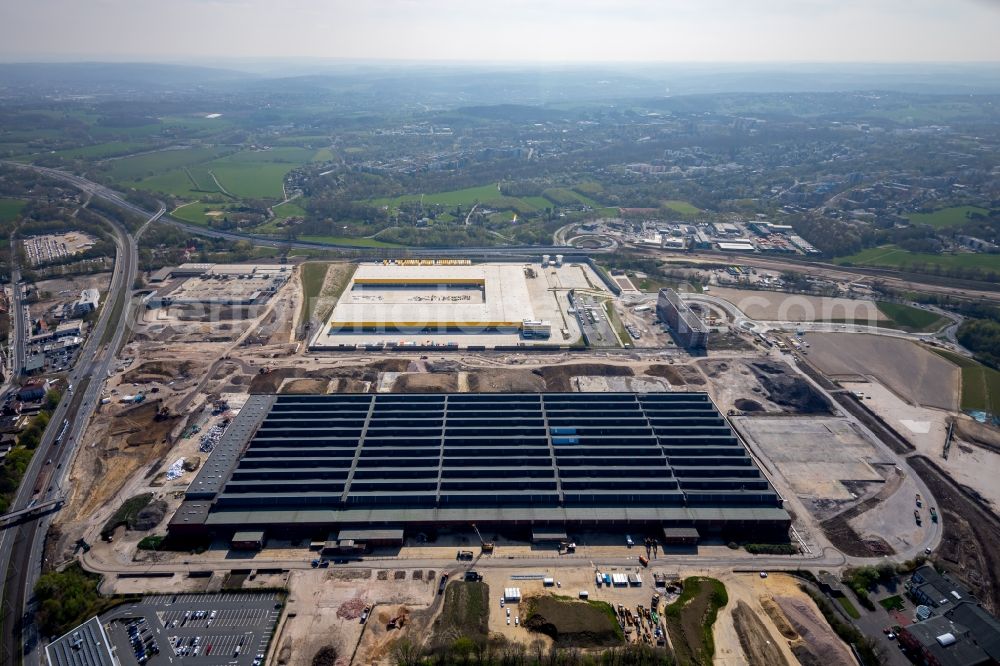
x=680 y=535
x=539 y=534
x=382 y=537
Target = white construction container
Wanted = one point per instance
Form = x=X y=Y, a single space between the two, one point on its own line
x=512 y=595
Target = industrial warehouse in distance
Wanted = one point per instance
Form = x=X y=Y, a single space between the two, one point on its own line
x=457 y=304
x=666 y=464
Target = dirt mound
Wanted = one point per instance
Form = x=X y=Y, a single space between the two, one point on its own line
x=815 y=632
x=754 y=639
x=715 y=368
x=304 y=386
x=351 y=609
x=778 y=618
x=573 y=623
x=559 y=378
x=390 y=365
x=151 y=371
x=668 y=372
x=268 y=382
x=144 y=424
x=788 y=390
x=426 y=383
x=746 y=405
x=978 y=434
x=326 y=656
x=505 y=380
x=150 y=516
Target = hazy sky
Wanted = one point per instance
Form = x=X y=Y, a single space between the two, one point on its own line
x=504 y=30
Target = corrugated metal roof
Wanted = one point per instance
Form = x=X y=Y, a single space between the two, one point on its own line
x=85 y=645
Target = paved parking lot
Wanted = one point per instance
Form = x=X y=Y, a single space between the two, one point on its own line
x=232 y=629
x=593 y=321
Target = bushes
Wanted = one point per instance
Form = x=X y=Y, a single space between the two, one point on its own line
x=982 y=337
x=67 y=598
x=151 y=543
x=863 y=579
x=12 y=469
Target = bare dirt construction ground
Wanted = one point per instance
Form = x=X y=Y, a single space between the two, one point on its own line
x=916 y=374
x=769 y=634
x=778 y=306
x=760 y=385
x=135 y=437
x=305 y=386
x=970 y=546
x=757 y=645
x=973 y=459
x=832 y=470
x=787 y=624
x=324 y=608
x=678 y=375
x=54 y=294
x=816 y=634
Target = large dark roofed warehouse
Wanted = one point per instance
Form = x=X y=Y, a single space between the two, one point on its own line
x=295 y=465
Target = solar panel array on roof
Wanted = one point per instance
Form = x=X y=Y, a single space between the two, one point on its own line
x=399 y=454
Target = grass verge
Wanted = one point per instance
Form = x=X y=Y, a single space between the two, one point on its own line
x=980 y=384
x=909 y=318
x=689 y=619
x=848 y=607
x=313 y=277
x=126 y=513
x=895 y=602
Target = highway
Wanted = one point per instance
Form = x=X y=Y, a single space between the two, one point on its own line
x=21 y=545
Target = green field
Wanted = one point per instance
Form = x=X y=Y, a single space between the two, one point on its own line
x=10 y=208
x=290 y=209
x=980 y=384
x=566 y=197
x=109 y=149
x=946 y=217
x=248 y=174
x=195 y=213
x=152 y=164
x=682 y=207
x=467 y=197
x=891 y=256
x=487 y=195
x=909 y=318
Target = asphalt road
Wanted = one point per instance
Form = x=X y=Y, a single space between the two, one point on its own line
x=21 y=545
